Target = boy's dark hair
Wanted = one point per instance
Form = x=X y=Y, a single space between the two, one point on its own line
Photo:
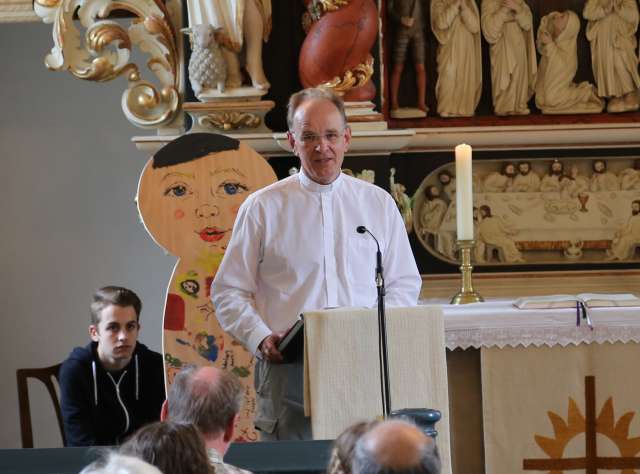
x=113 y=295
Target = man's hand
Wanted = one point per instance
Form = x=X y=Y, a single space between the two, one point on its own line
x=269 y=347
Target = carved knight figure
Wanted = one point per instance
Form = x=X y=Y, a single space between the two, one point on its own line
x=556 y=93
x=245 y=25
x=456 y=26
x=507 y=25
x=409 y=32
x=612 y=33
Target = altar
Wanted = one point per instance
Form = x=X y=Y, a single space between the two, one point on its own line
x=532 y=392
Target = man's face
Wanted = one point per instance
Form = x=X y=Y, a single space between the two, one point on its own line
x=599 y=166
x=635 y=208
x=556 y=169
x=319 y=138
x=116 y=334
x=191 y=207
x=444 y=178
x=524 y=168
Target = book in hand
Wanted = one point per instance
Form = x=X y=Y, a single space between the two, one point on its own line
x=589 y=300
x=291 y=345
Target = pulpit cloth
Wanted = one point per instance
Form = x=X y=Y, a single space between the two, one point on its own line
x=497 y=323
x=342 y=376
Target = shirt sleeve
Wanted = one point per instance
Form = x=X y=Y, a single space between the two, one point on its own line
x=75 y=404
x=401 y=277
x=234 y=287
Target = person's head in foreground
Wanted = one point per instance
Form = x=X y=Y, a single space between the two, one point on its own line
x=208 y=398
x=174 y=448
x=341 y=460
x=397 y=447
x=115 y=463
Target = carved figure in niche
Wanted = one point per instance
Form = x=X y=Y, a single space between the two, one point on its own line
x=480 y=248
x=188 y=197
x=501 y=182
x=244 y=24
x=601 y=179
x=556 y=93
x=433 y=210
x=630 y=177
x=493 y=231
x=568 y=187
x=403 y=201
x=456 y=26
x=581 y=182
x=431 y=215
x=409 y=32
x=526 y=181
x=612 y=32
x=507 y=25
x=448 y=185
x=627 y=238
x=551 y=182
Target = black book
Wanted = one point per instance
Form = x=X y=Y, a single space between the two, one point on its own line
x=291 y=345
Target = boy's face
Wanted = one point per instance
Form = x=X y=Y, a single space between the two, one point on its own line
x=116 y=334
x=192 y=206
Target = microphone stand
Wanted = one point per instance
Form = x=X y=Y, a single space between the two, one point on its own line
x=383 y=353
x=382 y=343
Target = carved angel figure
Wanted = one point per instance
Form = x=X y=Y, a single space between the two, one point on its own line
x=507 y=25
x=456 y=26
x=612 y=32
x=245 y=25
x=556 y=93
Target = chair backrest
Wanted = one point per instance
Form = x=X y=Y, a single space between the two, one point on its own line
x=46 y=376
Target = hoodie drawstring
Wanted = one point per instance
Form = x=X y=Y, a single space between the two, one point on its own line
x=137 y=378
x=95 y=382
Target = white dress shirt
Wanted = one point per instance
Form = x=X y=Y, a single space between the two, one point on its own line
x=295 y=248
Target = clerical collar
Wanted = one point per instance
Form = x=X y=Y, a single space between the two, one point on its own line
x=311 y=185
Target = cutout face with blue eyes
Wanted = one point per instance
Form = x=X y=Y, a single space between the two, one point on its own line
x=190 y=207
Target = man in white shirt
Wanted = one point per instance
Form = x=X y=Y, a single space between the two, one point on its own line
x=295 y=248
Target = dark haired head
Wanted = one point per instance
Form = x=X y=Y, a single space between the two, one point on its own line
x=192 y=146
x=113 y=295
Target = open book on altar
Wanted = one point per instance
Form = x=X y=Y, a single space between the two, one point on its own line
x=590 y=300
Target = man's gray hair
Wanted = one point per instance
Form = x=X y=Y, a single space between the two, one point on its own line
x=114 y=463
x=365 y=462
x=313 y=93
x=208 y=406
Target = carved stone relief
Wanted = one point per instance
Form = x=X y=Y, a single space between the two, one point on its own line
x=537 y=212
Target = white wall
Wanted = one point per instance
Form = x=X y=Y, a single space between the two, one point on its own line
x=68 y=180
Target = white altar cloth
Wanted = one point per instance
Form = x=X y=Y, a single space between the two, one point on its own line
x=497 y=323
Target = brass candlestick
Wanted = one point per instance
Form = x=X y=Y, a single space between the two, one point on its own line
x=466 y=294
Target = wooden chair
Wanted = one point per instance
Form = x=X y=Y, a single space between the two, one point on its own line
x=46 y=376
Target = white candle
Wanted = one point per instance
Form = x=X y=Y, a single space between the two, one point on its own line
x=464 y=193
